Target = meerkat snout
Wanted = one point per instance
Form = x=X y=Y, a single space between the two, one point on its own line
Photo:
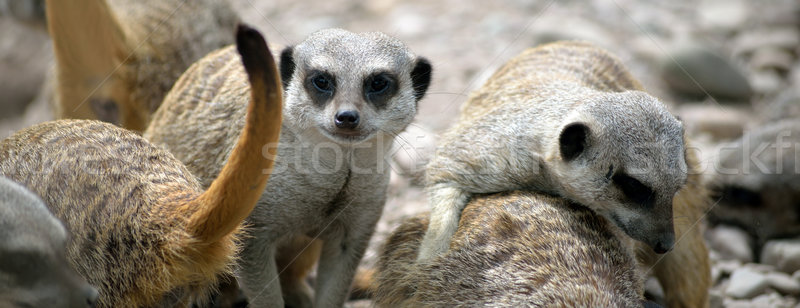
x=346 y=119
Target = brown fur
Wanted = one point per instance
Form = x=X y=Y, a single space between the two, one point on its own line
x=116 y=59
x=143 y=230
x=512 y=250
x=524 y=107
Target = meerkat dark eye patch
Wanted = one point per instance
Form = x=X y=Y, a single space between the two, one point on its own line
x=379 y=88
x=634 y=190
x=321 y=86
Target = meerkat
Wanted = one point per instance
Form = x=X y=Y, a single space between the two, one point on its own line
x=34 y=271
x=144 y=232
x=513 y=249
x=347 y=95
x=117 y=59
x=568 y=119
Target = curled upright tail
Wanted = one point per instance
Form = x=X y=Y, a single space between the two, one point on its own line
x=233 y=195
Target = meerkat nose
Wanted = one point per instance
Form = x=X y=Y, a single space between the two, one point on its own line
x=346 y=119
x=91 y=296
x=663 y=246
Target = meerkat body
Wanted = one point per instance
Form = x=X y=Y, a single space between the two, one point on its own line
x=34 y=270
x=116 y=59
x=566 y=119
x=143 y=230
x=513 y=249
x=346 y=96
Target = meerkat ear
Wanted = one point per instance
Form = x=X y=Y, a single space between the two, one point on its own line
x=421 y=77
x=573 y=140
x=287 y=66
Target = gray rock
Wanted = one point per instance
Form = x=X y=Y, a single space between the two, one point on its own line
x=731 y=243
x=722 y=14
x=746 y=283
x=716 y=299
x=767 y=81
x=783 y=283
x=771 y=57
x=782 y=37
x=696 y=71
x=728 y=266
x=785 y=106
x=783 y=254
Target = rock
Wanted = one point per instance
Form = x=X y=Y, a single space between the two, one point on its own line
x=413 y=149
x=783 y=254
x=731 y=243
x=785 y=106
x=771 y=57
x=722 y=14
x=783 y=283
x=715 y=299
x=696 y=71
x=782 y=37
x=729 y=266
x=746 y=283
x=720 y=123
x=768 y=81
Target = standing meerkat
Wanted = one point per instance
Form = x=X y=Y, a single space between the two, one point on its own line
x=34 y=271
x=347 y=96
x=117 y=59
x=513 y=249
x=143 y=230
x=568 y=119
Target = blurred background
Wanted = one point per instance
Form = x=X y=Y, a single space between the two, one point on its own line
x=729 y=68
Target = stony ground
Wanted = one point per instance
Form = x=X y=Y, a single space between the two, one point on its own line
x=743 y=54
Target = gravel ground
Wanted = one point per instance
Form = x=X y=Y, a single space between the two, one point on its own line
x=743 y=54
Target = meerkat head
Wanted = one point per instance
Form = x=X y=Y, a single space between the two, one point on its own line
x=351 y=86
x=622 y=154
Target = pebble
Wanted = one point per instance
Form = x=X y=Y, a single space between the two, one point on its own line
x=771 y=57
x=696 y=71
x=782 y=37
x=783 y=283
x=722 y=14
x=783 y=254
x=746 y=283
x=768 y=81
x=731 y=242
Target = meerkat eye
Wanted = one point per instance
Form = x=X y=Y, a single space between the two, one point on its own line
x=378 y=84
x=322 y=82
x=634 y=190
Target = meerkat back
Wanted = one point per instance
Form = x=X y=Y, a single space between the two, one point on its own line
x=143 y=230
x=116 y=59
x=515 y=249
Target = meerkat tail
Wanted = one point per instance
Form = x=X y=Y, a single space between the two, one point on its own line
x=446 y=205
x=234 y=193
x=82 y=54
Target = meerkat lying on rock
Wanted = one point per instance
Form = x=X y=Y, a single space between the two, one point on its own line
x=513 y=249
x=568 y=119
x=347 y=96
x=34 y=271
x=143 y=230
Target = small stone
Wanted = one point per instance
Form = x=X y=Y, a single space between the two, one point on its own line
x=781 y=37
x=783 y=254
x=746 y=283
x=772 y=58
x=729 y=266
x=723 y=14
x=768 y=81
x=731 y=243
x=715 y=299
x=696 y=71
x=783 y=283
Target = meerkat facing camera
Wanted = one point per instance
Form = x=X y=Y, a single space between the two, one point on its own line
x=34 y=271
x=568 y=119
x=117 y=59
x=143 y=230
x=347 y=96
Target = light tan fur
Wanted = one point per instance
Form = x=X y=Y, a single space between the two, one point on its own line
x=514 y=249
x=347 y=95
x=143 y=230
x=116 y=59
x=568 y=119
